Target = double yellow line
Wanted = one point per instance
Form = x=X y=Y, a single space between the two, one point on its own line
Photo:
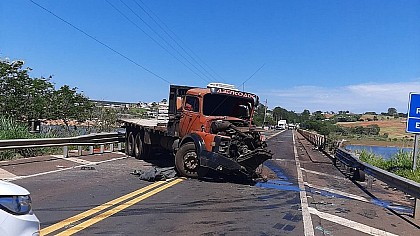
x=137 y=196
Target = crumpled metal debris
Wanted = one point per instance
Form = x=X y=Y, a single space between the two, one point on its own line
x=156 y=173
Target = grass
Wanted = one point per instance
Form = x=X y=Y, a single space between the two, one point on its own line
x=12 y=129
x=400 y=164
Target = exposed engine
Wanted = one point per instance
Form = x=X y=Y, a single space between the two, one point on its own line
x=242 y=144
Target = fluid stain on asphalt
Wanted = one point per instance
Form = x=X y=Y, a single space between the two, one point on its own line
x=282 y=183
x=376 y=201
x=388 y=205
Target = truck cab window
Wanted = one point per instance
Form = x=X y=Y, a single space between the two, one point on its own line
x=222 y=105
x=191 y=104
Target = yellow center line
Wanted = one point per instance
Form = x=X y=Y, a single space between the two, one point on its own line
x=97 y=209
x=117 y=209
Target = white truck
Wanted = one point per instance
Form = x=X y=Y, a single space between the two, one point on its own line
x=282 y=124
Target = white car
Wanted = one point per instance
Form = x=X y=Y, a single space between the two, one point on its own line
x=16 y=217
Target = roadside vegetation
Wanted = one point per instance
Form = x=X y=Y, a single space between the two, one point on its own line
x=12 y=129
x=23 y=98
x=400 y=164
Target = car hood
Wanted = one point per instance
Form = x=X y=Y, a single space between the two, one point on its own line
x=10 y=189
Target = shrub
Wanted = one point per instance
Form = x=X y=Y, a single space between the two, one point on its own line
x=12 y=129
x=400 y=164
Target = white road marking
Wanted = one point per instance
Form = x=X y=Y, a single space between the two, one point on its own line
x=68 y=168
x=349 y=195
x=73 y=159
x=4 y=174
x=286 y=160
x=349 y=223
x=308 y=228
x=323 y=174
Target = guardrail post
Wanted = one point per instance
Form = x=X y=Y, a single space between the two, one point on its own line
x=369 y=181
x=65 y=151
x=417 y=209
x=79 y=150
x=90 y=150
x=111 y=147
x=101 y=148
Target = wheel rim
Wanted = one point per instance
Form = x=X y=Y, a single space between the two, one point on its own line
x=191 y=162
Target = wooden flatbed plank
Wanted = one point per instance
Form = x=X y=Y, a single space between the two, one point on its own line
x=150 y=123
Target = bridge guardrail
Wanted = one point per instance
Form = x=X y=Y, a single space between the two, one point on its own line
x=83 y=140
x=350 y=160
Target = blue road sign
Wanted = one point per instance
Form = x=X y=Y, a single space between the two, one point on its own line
x=413 y=119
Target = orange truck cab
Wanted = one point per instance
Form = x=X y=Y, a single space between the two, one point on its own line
x=214 y=130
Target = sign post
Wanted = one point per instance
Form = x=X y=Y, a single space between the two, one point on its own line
x=413 y=122
x=416 y=151
x=413 y=126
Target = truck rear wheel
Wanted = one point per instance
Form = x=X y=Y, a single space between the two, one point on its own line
x=141 y=150
x=186 y=161
x=129 y=145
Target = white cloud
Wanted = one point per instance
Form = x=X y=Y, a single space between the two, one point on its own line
x=355 y=98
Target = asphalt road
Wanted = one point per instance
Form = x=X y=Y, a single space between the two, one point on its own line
x=70 y=198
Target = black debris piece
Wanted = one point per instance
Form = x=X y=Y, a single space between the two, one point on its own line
x=156 y=173
x=87 y=168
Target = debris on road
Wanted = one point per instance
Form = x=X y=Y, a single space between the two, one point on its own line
x=156 y=173
x=87 y=168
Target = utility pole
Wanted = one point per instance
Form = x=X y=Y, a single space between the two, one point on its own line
x=265 y=112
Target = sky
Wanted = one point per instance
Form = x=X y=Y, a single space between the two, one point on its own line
x=317 y=55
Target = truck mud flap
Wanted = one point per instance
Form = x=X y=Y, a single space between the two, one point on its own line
x=218 y=162
x=253 y=159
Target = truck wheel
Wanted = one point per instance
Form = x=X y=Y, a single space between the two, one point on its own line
x=141 y=150
x=186 y=161
x=129 y=145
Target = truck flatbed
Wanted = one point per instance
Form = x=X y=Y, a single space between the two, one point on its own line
x=151 y=124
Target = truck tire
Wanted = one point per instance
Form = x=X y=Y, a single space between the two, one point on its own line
x=186 y=161
x=129 y=144
x=141 y=150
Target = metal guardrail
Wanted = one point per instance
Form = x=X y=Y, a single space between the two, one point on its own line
x=84 y=140
x=322 y=142
x=403 y=184
x=350 y=160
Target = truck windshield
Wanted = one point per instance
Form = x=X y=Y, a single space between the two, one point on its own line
x=224 y=105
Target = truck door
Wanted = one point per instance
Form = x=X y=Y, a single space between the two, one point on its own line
x=190 y=117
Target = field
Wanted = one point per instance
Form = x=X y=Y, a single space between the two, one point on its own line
x=395 y=128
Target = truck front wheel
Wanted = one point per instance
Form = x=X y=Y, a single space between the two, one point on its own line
x=186 y=161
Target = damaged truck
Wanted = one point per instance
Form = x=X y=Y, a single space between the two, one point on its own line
x=206 y=128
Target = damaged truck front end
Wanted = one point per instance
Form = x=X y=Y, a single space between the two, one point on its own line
x=241 y=147
x=217 y=133
x=226 y=149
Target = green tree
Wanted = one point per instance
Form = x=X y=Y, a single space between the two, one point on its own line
x=318 y=115
x=306 y=114
x=392 y=111
x=68 y=104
